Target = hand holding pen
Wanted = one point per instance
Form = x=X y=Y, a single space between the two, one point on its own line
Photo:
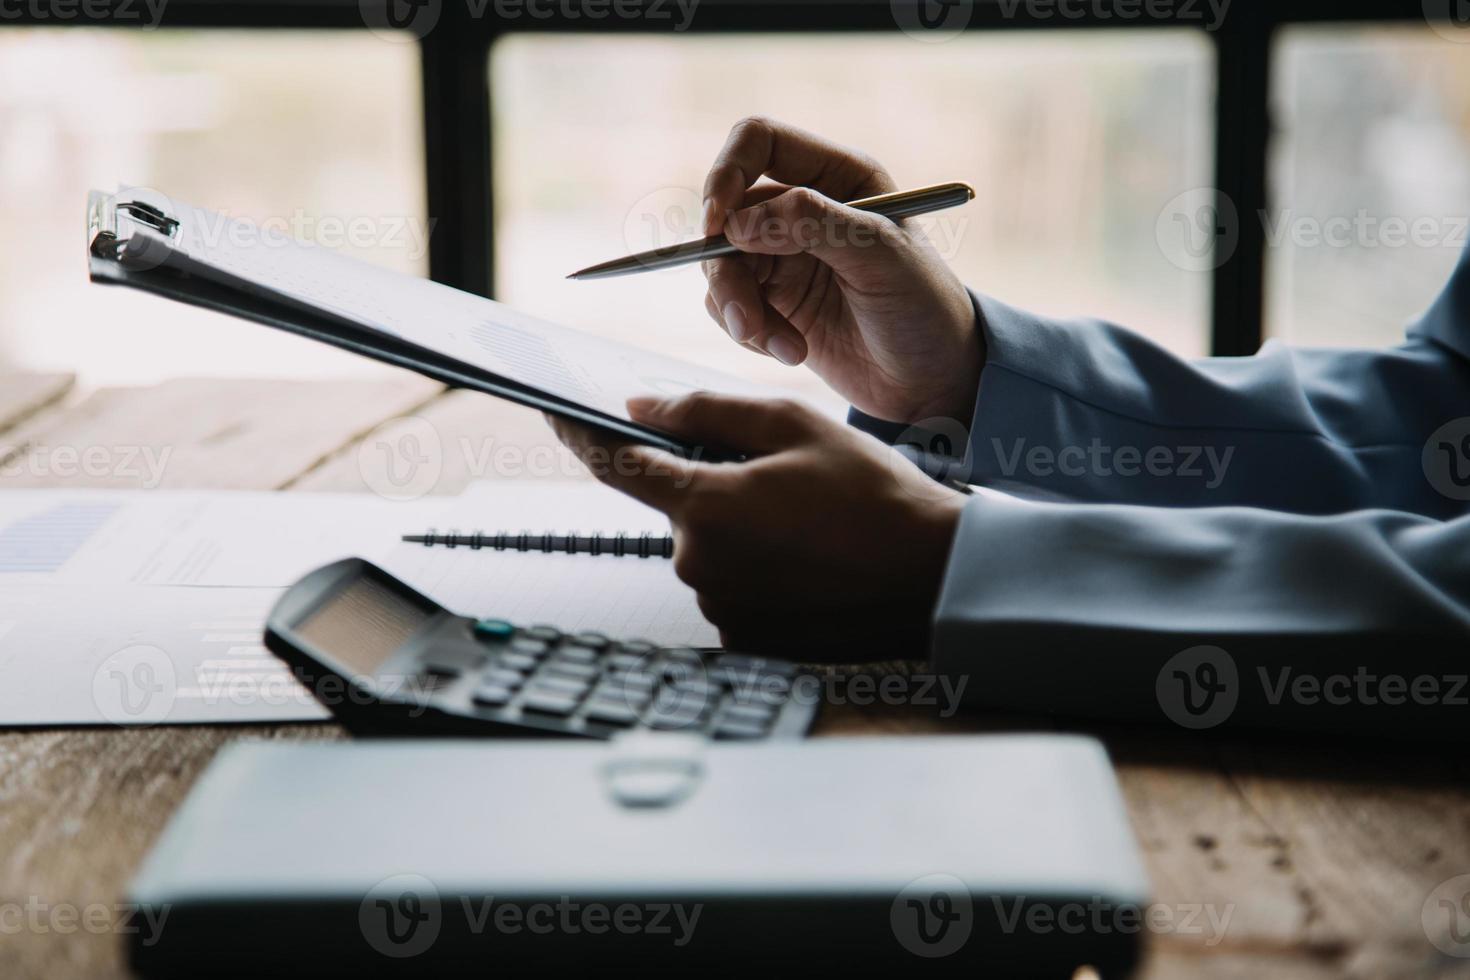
x=866 y=303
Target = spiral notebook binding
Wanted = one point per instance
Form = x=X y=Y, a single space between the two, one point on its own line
x=644 y=545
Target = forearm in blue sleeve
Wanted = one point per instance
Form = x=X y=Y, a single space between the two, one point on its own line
x=1077 y=607
x=1092 y=412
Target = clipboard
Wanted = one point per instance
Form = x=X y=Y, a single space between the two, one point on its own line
x=138 y=238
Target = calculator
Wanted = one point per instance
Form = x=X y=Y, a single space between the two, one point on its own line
x=385 y=659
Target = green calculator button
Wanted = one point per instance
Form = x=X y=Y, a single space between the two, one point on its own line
x=494 y=629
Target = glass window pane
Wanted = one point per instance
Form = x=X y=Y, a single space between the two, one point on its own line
x=1075 y=142
x=316 y=132
x=1371 y=181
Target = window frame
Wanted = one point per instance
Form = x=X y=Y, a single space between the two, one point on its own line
x=457 y=97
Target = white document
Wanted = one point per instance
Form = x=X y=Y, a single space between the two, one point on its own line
x=155 y=537
x=144 y=607
x=594 y=372
x=141 y=655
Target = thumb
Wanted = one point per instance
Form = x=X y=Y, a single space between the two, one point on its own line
x=804 y=220
x=754 y=425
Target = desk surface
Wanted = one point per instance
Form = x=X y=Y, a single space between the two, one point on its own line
x=1321 y=855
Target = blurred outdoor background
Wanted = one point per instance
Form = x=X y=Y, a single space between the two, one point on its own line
x=1077 y=142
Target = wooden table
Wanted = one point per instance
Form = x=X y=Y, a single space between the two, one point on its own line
x=1322 y=855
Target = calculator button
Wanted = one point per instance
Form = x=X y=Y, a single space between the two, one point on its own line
x=675 y=700
x=434 y=678
x=696 y=687
x=594 y=640
x=692 y=687
x=577 y=654
x=516 y=661
x=636 y=700
x=547 y=634
x=682 y=677
x=743 y=662
x=634 y=679
x=754 y=714
x=639 y=648
x=548 y=703
x=452 y=658
x=571 y=669
x=757 y=694
x=611 y=713
x=738 y=729
x=742 y=679
x=625 y=661
x=528 y=646
x=764 y=689
x=500 y=677
x=492 y=696
x=623 y=685
x=672 y=717
x=684 y=656
x=494 y=629
x=572 y=687
x=727 y=677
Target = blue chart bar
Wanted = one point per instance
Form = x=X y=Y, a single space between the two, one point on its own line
x=44 y=542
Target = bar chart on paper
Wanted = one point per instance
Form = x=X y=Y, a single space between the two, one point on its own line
x=46 y=541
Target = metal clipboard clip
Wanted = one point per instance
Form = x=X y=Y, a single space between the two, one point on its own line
x=114 y=222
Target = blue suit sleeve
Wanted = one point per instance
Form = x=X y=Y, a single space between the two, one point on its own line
x=1090 y=412
x=1083 y=608
x=1315 y=535
x=1086 y=411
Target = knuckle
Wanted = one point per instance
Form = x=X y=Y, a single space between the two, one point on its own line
x=787 y=407
x=789 y=413
x=866 y=161
x=747 y=127
x=692 y=406
x=804 y=202
x=719 y=273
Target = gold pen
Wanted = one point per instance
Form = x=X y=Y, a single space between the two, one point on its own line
x=895 y=206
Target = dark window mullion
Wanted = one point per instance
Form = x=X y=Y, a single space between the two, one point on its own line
x=457 y=157
x=1242 y=158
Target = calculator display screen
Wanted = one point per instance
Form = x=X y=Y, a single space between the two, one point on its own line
x=361 y=625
